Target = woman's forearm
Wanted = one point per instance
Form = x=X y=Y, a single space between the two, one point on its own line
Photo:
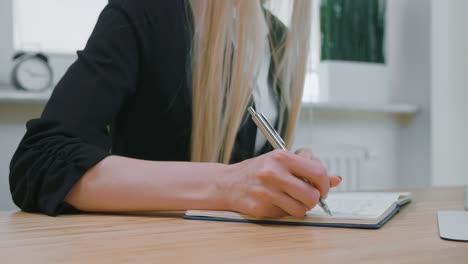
x=118 y=184
x=270 y=185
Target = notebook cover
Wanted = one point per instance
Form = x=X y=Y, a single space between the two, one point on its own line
x=340 y=225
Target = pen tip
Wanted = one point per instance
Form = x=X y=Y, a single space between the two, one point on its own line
x=325 y=208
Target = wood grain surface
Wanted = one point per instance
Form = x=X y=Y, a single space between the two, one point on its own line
x=410 y=237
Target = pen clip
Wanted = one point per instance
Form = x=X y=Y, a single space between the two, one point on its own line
x=267 y=129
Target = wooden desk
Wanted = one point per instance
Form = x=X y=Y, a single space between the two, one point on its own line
x=410 y=237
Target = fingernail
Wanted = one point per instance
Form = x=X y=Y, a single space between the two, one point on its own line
x=341 y=178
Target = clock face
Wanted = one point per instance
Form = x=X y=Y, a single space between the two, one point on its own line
x=34 y=74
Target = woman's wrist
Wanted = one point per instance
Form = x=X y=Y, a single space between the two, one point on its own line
x=221 y=195
x=228 y=187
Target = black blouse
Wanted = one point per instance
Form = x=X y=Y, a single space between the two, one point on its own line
x=127 y=94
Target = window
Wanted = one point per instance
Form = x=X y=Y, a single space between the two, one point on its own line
x=54 y=26
x=312 y=92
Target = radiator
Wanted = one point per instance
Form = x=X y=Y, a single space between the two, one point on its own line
x=347 y=162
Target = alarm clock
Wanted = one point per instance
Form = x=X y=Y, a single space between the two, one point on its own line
x=31 y=72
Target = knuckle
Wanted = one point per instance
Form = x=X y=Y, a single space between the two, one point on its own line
x=306 y=153
x=321 y=172
x=325 y=181
x=261 y=193
x=255 y=191
x=299 y=212
x=266 y=173
x=277 y=212
x=279 y=155
x=322 y=176
x=312 y=154
x=319 y=162
x=314 y=197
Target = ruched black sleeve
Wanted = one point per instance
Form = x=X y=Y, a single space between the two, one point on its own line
x=71 y=136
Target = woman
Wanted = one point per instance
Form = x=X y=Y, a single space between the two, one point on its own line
x=152 y=115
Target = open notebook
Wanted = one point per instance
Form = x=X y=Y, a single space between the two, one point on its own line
x=369 y=210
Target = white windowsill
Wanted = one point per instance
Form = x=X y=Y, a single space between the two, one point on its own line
x=383 y=108
x=10 y=95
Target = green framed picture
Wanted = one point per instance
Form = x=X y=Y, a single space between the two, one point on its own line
x=353 y=30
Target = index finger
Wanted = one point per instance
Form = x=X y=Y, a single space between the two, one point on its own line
x=309 y=169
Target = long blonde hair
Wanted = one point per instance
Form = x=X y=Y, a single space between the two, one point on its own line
x=226 y=55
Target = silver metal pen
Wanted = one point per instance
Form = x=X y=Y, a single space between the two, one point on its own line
x=277 y=142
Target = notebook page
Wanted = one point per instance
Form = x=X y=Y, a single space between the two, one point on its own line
x=356 y=205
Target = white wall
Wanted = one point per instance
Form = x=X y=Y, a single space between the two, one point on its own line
x=8 y=136
x=6 y=36
x=400 y=147
x=409 y=60
x=34 y=30
x=450 y=92
x=377 y=133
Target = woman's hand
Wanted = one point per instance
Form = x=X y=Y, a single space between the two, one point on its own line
x=277 y=184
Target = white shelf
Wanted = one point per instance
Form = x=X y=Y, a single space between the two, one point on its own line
x=10 y=95
x=398 y=109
